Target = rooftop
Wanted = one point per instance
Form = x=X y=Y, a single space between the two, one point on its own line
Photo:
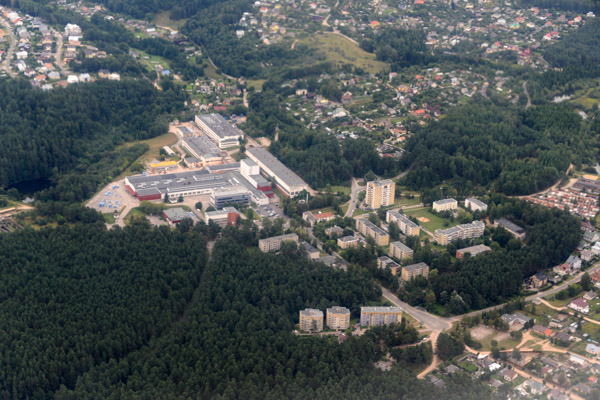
x=176 y=214
x=474 y=250
x=510 y=226
x=289 y=236
x=309 y=248
x=272 y=163
x=311 y=312
x=374 y=227
x=202 y=146
x=417 y=266
x=220 y=213
x=380 y=310
x=403 y=218
x=445 y=201
x=477 y=202
x=219 y=125
x=401 y=246
x=338 y=310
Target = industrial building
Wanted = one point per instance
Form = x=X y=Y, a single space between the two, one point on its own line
x=338 y=318
x=219 y=130
x=411 y=271
x=368 y=228
x=311 y=320
x=375 y=316
x=274 y=243
x=162 y=167
x=407 y=227
x=472 y=251
x=251 y=171
x=475 y=205
x=203 y=150
x=223 y=187
x=286 y=180
x=223 y=217
x=380 y=193
x=175 y=215
x=464 y=231
x=400 y=251
x=445 y=205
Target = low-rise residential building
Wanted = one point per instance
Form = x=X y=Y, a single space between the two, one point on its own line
x=589 y=185
x=338 y=318
x=590 y=295
x=375 y=316
x=538 y=280
x=311 y=320
x=400 y=251
x=473 y=251
x=464 y=231
x=367 y=228
x=313 y=218
x=407 y=227
x=386 y=262
x=562 y=269
x=380 y=193
x=349 y=241
x=580 y=305
x=334 y=230
x=511 y=227
x=411 y=271
x=311 y=252
x=574 y=262
x=225 y=216
x=473 y=204
x=274 y=243
x=445 y=205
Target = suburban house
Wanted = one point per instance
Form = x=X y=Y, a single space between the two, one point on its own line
x=580 y=305
x=538 y=280
x=574 y=262
x=591 y=295
x=562 y=269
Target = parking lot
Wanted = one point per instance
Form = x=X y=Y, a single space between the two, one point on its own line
x=113 y=197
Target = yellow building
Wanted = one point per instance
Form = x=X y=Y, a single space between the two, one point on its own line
x=375 y=316
x=407 y=227
x=311 y=320
x=445 y=205
x=399 y=250
x=380 y=193
x=338 y=318
x=410 y=271
x=348 y=241
x=367 y=228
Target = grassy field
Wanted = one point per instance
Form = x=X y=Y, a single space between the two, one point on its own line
x=256 y=84
x=163 y=19
x=155 y=144
x=338 y=49
x=434 y=222
x=588 y=98
x=109 y=218
x=152 y=61
x=403 y=201
x=342 y=189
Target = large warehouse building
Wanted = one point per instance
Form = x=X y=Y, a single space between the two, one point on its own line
x=203 y=149
x=218 y=129
x=289 y=183
x=224 y=188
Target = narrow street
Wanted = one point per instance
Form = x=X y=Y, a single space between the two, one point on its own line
x=13 y=42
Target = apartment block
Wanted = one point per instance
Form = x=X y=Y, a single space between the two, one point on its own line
x=338 y=318
x=376 y=316
x=463 y=231
x=475 y=205
x=311 y=320
x=349 y=241
x=411 y=271
x=445 y=205
x=407 y=227
x=386 y=262
x=472 y=251
x=399 y=250
x=368 y=228
x=380 y=193
x=274 y=243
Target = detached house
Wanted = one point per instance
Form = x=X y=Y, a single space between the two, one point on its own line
x=580 y=305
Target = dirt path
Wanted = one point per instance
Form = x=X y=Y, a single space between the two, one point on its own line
x=526 y=94
x=436 y=360
x=568 y=311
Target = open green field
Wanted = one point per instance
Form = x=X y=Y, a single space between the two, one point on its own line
x=163 y=19
x=588 y=98
x=428 y=220
x=152 y=61
x=257 y=84
x=155 y=144
x=109 y=218
x=338 y=49
x=341 y=189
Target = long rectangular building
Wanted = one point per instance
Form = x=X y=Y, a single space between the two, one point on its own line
x=367 y=228
x=191 y=183
x=587 y=184
x=274 y=243
x=463 y=231
x=289 y=183
x=375 y=316
x=399 y=250
x=202 y=148
x=219 y=129
x=407 y=227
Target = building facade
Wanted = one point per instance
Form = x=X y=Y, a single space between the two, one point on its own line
x=274 y=243
x=411 y=271
x=311 y=320
x=407 y=227
x=386 y=262
x=463 y=231
x=400 y=251
x=472 y=251
x=376 y=316
x=475 y=205
x=367 y=228
x=286 y=180
x=223 y=217
x=445 y=205
x=338 y=318
x=380 y=193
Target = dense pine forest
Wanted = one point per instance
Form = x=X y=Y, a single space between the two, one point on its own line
x=71 y=299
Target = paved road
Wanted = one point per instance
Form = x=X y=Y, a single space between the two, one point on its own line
x=58 y=53
x=11 y=49
x=431 y=321
x=562 y=286
x=353 y=198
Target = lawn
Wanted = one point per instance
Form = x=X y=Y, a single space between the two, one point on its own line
x=109 y=218
x=155 y=144
x=468 y=366
x=505 y=344
x=434 y=222
x=163 y=19
x=341 y=189
x=338 y=49
x=403 y=201
x=152 y=61
x=134 y=212
x=257 y=84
